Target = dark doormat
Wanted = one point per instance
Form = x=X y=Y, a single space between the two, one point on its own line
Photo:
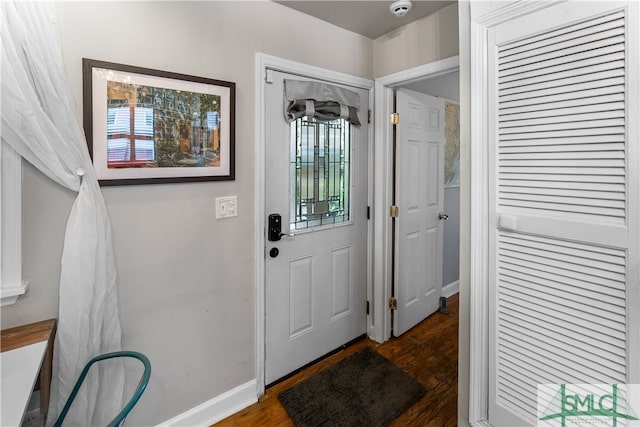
x=364 y=389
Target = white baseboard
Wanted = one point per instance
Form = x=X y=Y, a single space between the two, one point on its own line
x=483 y=423
x=451 y=289
x=218 y=408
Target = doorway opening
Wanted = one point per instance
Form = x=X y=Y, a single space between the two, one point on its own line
x=441 y=78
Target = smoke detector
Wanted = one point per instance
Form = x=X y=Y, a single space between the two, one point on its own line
x=400 y=8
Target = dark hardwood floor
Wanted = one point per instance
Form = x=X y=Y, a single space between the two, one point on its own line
x=428 y=352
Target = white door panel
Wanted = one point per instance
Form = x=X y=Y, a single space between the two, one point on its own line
x=420 y=199
x=315 y=296
x=561 y=194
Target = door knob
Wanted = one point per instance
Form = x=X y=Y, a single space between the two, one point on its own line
x=273 y=252
x=443 y=216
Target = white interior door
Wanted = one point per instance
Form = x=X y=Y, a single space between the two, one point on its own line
x=563 y=197
x=420 y=201
x=316 y=175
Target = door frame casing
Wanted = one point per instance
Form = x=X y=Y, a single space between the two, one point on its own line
x=383 y=183
x=264 y=62
x=482 y=17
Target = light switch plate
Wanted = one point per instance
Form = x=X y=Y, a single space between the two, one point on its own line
x=226 y=207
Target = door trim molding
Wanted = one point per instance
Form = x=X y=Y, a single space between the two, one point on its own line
x=382 y=184
x=262 y=63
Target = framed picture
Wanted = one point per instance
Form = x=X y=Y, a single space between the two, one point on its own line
x=147 y=126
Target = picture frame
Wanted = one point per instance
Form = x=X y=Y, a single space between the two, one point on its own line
x=146 y=126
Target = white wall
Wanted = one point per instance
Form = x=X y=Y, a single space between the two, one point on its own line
x=421 y=42
x=445 y=86
x=186 y=280
x=451 y=246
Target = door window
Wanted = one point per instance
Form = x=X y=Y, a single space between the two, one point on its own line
x=320 y=169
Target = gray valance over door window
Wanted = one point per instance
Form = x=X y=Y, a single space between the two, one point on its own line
x=320 y=100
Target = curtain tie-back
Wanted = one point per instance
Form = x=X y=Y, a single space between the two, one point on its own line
x=310 y=109
x=80 y=172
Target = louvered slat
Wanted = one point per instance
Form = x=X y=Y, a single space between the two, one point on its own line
x=612 y=109
x=611 y=256
x=573 y=106
x=549 y=318
x=561 y=135
x=577 y=86
x=571 y=349
x=613 y=216
x=559 y=192
x=544 y=140
x=585 y=66
x=568 y=32
x=583 y=179
x=558 y=83
x=593 y=292
x=582 y=259
x=565 y=147
x=519 y=317
x=554 y=297
x=558 y=59
x=549 y=279
x=599 y=318
x=560 y=269
x=591 y=38
x=560 y=153
x=556 y=100
x=561 y=170
x=565 y=162
x=551 y=186
x=546 y=366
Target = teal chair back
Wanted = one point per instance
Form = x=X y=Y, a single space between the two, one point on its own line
x=142 y=385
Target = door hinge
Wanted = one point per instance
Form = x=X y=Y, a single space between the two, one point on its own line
x=368 y=116
x=393 y=303
x=395 y=118
x=393 y=211
x=367 y=307
x=368 y=212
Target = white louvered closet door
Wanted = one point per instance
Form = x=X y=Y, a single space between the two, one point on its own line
x=563 y=203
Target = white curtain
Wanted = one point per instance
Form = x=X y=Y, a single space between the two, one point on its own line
x=40 y=121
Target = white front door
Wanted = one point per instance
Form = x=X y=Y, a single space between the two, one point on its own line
x=420 y=201
x=563 y=203
x=316 y=275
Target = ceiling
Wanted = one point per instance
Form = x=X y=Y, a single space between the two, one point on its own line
x=371 y=19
